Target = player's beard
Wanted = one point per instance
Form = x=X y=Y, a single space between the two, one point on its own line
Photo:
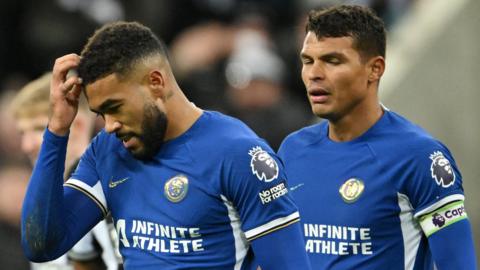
x=154 y=127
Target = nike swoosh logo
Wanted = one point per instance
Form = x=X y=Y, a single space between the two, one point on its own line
x=295 y=187
x=113 y=184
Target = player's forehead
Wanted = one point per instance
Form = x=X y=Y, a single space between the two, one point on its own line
x=317 y=47
x=104 y=89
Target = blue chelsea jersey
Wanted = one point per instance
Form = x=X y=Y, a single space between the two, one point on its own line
x=197 y=203
x=362 y=201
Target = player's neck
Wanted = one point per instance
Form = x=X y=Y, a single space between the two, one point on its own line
x=181 y=116
x=354 y=124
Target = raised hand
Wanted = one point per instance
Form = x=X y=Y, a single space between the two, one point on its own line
x=64 y=94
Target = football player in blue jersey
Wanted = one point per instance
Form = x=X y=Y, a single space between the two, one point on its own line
x=187 y=188
x=374 y=190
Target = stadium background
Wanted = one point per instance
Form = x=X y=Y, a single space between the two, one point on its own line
x=241 y=57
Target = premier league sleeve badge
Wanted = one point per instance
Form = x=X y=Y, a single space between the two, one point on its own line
x=441 y=170
x=263 y=165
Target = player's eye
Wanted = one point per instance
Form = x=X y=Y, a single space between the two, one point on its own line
x=113 y=109
x=306 y=61
x=333 y=61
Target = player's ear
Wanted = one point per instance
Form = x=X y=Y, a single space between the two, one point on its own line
x=156 y=83
x=376 y=67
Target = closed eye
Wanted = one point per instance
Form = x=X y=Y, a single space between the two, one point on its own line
x=332 y=60
x=305 y=59
x=110 y=106
x=113 y=109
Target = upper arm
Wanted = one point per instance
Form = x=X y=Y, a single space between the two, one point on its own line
x=433 y=180
x=282 y=249
x=436 y=192
x=254 y=182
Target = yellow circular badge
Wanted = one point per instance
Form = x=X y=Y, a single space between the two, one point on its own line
x=176 y=188
x=351 y=190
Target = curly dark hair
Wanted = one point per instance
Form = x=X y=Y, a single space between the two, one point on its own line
x=115 y=48
x=360 y=23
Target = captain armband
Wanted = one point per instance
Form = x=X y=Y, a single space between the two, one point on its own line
x=442 y=217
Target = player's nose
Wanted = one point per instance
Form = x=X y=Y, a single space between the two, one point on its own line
x=111 y=124
x=316 y=72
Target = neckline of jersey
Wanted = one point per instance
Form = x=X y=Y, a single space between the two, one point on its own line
x=360 y=139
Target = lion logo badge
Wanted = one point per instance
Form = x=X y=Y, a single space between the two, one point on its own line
x=442 y=170
x=438 y=220
x=351 y=190
x=263 y=165
x=176 y=188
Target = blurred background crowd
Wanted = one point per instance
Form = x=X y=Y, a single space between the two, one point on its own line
x=241 y=57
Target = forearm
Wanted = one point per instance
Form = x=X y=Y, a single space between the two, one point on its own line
x=282 y=249
x=452 y=247
x=43 y=209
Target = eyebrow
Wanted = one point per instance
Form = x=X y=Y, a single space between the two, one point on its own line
x=324 y=56
x=333 y=54
x=105 y=105
x=304 y=55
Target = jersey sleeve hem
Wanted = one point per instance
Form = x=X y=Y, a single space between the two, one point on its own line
x=440 y=203
x=52 y=136
x=272 y=226
x=95 y=193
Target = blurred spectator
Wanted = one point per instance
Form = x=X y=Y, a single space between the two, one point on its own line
x=14 y=174
x=10 y=142
x=200 y=67
x=36 y=32
x=234 y=68
x=13 y=180
x=256 y=92
x=30 y=109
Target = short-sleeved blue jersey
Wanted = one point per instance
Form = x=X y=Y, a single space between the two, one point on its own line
x=361 y=201
x=197 y=203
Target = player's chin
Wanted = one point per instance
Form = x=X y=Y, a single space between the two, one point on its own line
x=139 y=154
x=138 y=151
x=143 y=153
x=321 y=110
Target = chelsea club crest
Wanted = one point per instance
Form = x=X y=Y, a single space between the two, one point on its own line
x=351 y=190
x=176 y=188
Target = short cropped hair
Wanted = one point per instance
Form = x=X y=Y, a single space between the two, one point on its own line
x=360 y=23
x=34 y=99
x=116 y=48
